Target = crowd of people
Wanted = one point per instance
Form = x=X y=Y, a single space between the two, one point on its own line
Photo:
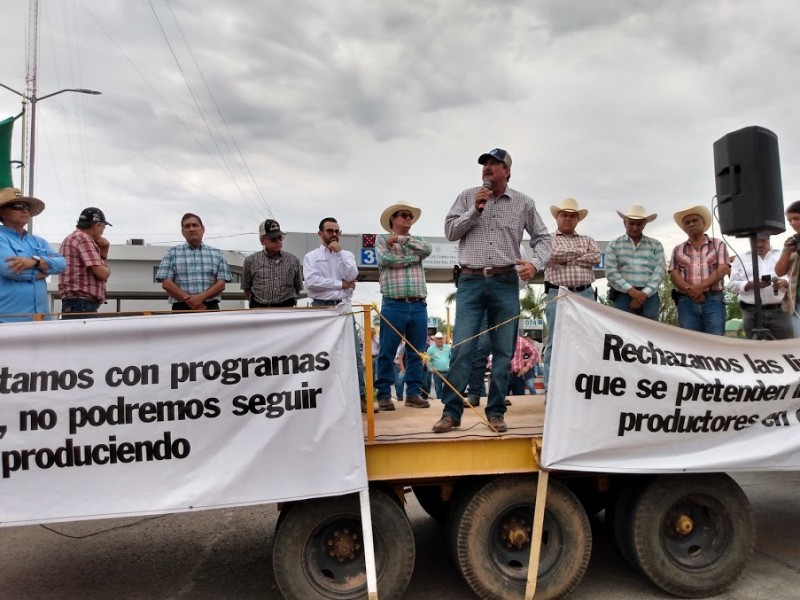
x=488 y=223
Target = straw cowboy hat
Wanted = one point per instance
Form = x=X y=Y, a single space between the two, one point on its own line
x=387 y=214
x=637 y=211
x=12 y=195
x=569 y=205
x=698 y=210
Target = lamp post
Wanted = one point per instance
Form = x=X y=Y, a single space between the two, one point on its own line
x=29 y=102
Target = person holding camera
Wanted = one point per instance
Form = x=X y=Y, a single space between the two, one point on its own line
x=773 y=289
x=789 y=264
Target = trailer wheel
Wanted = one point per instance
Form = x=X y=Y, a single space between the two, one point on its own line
x=430 y=499
x=494 y=539
x=620 y=515
x=694 y=534
x=462 y=496
x=319 y=553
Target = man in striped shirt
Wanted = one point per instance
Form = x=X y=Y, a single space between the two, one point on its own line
x=193 y=274
x=272 y=278
x=571 y=265
x=635 y=266
x=698 y=267
x=402 y=281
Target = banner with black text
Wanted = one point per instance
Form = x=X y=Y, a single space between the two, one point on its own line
x=628 y=394
x=141 y=415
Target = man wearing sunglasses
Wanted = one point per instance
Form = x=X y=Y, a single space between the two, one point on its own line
x=272 y=278
x=25 y=260
x=488 y=223
x=330 y=274
x=402 y=281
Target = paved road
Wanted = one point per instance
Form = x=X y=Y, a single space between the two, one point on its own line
x=227 y=554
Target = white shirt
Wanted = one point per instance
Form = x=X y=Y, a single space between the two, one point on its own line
x=324 y=271
x=740 y=275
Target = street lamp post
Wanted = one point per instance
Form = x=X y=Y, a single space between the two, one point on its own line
x=29 y=102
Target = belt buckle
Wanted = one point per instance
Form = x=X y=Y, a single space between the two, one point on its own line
x=486 y=271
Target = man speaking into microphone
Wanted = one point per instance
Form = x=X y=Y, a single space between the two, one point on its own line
x=488 y=222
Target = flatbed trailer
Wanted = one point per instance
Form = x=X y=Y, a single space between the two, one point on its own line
x=691 y=534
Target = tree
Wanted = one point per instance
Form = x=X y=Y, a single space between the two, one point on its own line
x=531 y=303
x=668 y=311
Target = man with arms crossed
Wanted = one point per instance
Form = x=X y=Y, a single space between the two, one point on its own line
x=402 y=281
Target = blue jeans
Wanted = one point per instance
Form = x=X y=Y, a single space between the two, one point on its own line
x=438 y=384
x=399 y=381
x=78 y=305
x=498 y=297
x=477 y=376
x=411 y=320
x=550 y=312
x=362 y=388
x=706 y=317
x=649 y=309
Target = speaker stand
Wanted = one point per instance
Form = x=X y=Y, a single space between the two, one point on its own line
x=759 y=332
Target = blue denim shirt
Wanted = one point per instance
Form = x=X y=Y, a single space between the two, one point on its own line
x=22 y=294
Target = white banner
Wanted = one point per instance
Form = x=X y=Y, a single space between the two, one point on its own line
x=631 y=395
x=141 y=415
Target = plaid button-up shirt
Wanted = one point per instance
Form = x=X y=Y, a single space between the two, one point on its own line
x=81 y=252
x=272 y=279
x=695 y=265
x=194 y=270
x=400 y=265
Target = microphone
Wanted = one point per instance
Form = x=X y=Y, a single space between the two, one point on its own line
x=775 y=281
x=487 y=185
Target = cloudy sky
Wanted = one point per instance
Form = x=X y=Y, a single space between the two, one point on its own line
x=244 y=109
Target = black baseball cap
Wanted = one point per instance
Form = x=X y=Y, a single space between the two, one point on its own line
x=92 y=215
x=270 y=228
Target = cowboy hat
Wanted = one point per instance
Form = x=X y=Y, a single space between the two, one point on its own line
x=698 y=210
x=387 y=214
x=11 y=195
x=637 y=211
x=568 y=205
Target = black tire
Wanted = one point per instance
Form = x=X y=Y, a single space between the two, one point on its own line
x=496 y=566
x=694 y=534
x=462 y=496
x=620 y=515
x=314 y=530
x=430 y=499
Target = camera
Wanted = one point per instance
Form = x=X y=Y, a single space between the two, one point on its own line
x=794 y=242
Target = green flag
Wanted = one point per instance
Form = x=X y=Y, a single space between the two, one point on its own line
x=6 y=128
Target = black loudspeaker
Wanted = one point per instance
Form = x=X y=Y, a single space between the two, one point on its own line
x=748 y=177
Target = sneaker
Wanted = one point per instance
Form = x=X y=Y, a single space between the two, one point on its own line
x=472 y=400
x=385 y=404
x=498 y=423
x=417 y=402
x=445 y=424
x=507 y=402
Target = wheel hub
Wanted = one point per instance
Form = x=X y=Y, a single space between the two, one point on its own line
x=684 y=524
x=516 y=533
x=343 y=545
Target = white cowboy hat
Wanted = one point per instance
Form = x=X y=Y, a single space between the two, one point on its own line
x=11 y=195
x=387 y=214
x=698 y=210
x=569 y=205
x=637 y=211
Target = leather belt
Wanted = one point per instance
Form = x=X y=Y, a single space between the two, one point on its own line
x=578 y=288
x=326 y=302
x=746 y=306
x=487 y=271
x=409 y=299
